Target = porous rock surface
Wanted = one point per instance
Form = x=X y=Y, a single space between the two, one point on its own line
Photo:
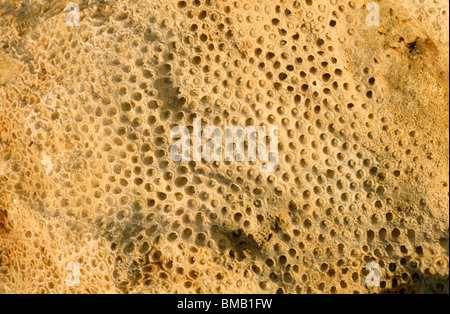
x=86 y=176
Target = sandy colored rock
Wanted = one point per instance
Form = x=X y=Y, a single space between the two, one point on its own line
x=8 y=68
x=86 y=176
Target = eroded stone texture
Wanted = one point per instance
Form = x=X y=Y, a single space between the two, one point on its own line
x=86 y=176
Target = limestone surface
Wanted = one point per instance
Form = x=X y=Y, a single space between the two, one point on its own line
x=92 y=202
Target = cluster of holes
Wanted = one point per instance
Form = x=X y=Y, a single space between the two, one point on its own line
x=337 y=190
